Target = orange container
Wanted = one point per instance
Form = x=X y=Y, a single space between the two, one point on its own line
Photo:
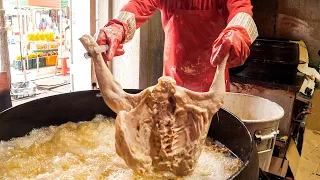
x=51 y=60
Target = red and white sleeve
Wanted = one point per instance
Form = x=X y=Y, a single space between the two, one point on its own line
x=133 y=14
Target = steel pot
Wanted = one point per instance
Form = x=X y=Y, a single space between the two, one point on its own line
x=84 y=105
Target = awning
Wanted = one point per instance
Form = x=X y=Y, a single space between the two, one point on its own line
x=55 y=4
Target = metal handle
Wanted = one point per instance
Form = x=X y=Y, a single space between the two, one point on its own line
x=266 y=137
x=272 y=135
x=98 y=49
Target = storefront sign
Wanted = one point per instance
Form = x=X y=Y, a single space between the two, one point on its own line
x=42 y=3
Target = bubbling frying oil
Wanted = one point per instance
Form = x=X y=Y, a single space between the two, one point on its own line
x=86 y=150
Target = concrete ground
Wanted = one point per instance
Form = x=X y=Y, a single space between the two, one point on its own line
x=48 y=84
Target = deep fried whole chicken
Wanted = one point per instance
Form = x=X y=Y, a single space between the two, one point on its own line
x=164 y=127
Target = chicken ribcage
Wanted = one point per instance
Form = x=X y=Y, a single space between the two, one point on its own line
x=164 y=127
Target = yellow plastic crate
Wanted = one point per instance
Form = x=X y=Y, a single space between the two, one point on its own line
x=51 y=60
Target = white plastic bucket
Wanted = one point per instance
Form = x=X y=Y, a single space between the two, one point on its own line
x=262 y=117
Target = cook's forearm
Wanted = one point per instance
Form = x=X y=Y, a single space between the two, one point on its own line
x=245 y=20
x=237 y=36
x=134 y=14
x=129 y=22
x=240 y=14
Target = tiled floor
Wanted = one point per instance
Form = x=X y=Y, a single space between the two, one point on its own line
x=48 y=84
x=42 y=94
x=32 y=74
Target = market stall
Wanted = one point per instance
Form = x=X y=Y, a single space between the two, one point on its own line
x=40 y=27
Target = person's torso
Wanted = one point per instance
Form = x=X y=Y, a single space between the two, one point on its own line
x=190 y=30
x=168 y=7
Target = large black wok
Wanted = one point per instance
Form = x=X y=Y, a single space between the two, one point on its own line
x=84 y=105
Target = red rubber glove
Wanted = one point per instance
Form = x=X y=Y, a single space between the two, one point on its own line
x=112 y=34
x=234 y=40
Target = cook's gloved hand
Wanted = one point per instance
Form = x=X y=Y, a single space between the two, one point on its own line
x=112 y=34
x=233 y=40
